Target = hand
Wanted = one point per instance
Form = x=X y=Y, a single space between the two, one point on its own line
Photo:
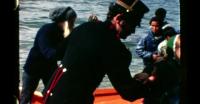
x=141 y=76
x=156 y=57
x=66 y=29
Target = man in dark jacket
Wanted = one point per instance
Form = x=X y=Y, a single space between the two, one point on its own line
x=94 y=49
x=47 y=49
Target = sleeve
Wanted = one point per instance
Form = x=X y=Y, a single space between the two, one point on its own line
x=45 y=46
x=141 y=51
x=61 y=48
x=162 y=48
x=117 y=68
x=159 y=47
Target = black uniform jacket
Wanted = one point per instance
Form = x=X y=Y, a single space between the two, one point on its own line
x=92 y=52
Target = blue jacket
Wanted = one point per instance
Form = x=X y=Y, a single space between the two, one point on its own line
x=48 y=47
x=147 y=46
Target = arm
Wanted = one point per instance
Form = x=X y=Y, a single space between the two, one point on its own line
x=61 y=48
x=162 y=48
x=128 y=88
x=45 y=46
x=116 y=63
x=141 y=51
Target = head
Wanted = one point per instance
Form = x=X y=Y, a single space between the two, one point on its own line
x=168 y=32
x=127 y=14
x=161 y=13
x=93 y=18
x=155 y=25
x=63 y=16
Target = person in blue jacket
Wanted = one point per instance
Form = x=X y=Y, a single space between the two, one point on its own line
x=147 y=46
x=165 y=88
x=48 y=48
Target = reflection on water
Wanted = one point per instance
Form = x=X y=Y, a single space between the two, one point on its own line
x=34 y=13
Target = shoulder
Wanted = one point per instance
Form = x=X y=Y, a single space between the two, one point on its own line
x=89 y=27
x=163 y=43
x=146 y=35
x=149 y=36
x=165 y=25
x=83 y=25
x=47 y=27
x=93 y=24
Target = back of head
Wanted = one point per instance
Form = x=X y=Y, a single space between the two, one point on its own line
x=133 y=10
x=169 y=31
x=60 y=14
x=161 y=13
x=93 y=18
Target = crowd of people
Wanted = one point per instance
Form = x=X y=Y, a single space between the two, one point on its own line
x=160 y=51
x=94 y=49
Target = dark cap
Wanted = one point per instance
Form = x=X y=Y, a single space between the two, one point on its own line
x=62 y=14
x=132 y=9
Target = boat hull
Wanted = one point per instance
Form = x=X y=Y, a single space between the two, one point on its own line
x=102 y=96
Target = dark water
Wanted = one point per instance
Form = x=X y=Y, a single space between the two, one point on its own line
x=34 y=13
